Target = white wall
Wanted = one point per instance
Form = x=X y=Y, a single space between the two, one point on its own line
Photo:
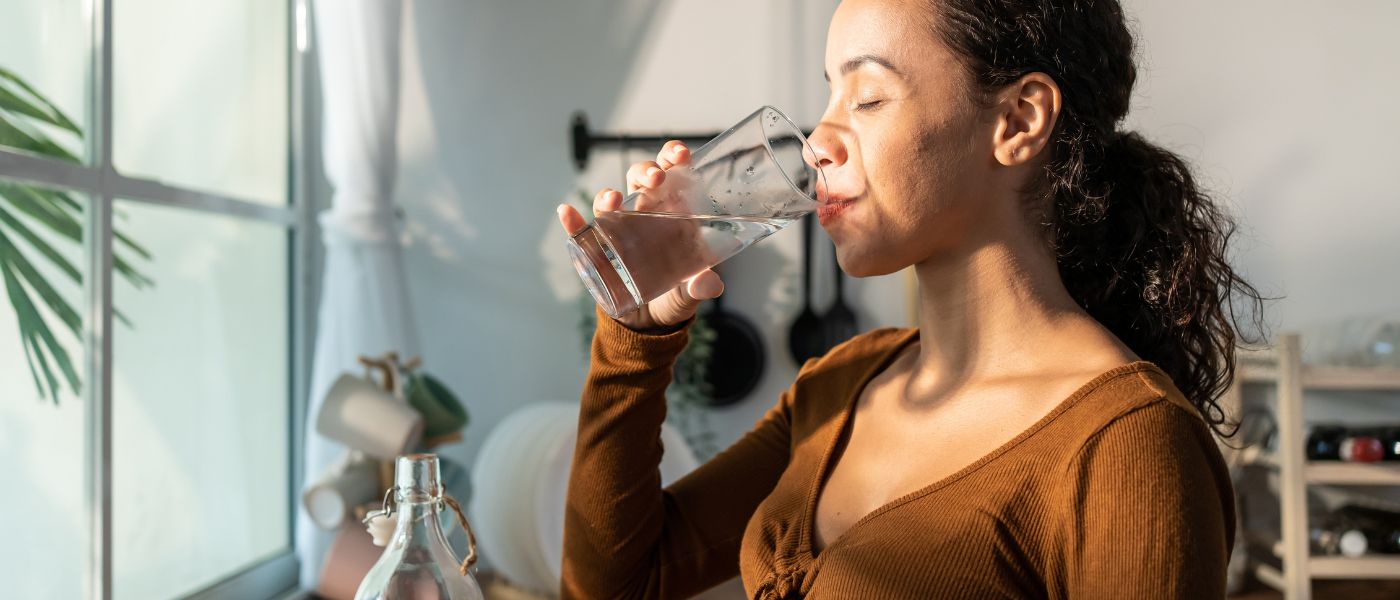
x=1283 y=105
x=1287 y=108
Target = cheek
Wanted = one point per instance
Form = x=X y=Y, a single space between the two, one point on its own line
x=923 y=196
x=924 y=179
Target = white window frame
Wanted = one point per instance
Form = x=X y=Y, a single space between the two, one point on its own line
x=99 y=179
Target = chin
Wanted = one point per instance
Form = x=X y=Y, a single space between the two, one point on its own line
x=865 y=261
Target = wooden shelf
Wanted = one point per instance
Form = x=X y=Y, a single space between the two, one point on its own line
x=1271 y=577
x=1332 y=472
x=1317 y=377
x=1348 y=473
x=1362 y=567
x=1283 y=368
x=1374 y=566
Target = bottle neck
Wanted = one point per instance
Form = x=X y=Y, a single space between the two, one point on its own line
x=419 y=522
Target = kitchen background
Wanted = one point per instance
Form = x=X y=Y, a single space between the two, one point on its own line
x=1283 y=106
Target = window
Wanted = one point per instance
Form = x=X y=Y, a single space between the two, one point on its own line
x=153 y=333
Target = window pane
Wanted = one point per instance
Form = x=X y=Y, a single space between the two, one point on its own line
x=201 y=403
x=200 y=94
x=45 y=47
x=44 y=507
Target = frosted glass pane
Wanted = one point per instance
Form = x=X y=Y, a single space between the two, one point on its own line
x=43 y=499
x=200 y=94
x=47 y=45
x=201 y=403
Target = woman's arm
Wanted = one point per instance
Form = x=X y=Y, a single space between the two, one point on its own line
x=1151 y=510
x=626 y=537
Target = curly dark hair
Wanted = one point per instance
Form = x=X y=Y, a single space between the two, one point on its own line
x=1139 y=244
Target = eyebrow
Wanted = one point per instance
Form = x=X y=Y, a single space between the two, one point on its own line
x=862 y=60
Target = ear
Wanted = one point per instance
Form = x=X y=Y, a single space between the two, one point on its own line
x=1025 y=118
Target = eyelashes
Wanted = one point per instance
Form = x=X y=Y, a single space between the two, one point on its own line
x=871 y=105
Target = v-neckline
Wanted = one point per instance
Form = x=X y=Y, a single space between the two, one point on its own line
x=819 y=479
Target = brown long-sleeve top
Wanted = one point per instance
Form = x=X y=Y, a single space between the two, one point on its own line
x=1119 y=492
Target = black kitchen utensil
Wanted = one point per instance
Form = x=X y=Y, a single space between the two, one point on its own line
x=738 y=359
x=840 y=320
x=807 y=336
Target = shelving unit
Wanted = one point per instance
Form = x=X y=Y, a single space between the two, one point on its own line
x=1284 y=368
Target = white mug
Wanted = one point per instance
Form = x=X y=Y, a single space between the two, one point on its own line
x=351 y=482
x=364 y=417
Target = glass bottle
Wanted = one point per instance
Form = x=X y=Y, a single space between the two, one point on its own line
x=418 y=563
x=1382 y=527
x=1324 y=442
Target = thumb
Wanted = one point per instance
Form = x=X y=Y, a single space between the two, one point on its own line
x=680 y=303
x=704 y=286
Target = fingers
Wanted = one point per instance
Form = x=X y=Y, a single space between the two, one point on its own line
x=680 y=303
x=644 y=175
x=649 y=174
x=607 y=200
x=672 y=154
x=570 y=219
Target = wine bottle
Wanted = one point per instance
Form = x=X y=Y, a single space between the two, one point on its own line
x=1381 y=527
x=1324 y=442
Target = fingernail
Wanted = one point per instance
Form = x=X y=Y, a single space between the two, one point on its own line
x=676 y=150
x=653 y=171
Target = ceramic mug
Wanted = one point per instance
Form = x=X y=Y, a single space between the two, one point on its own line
x=348 y=560
x=364 y=417
x=351 y=482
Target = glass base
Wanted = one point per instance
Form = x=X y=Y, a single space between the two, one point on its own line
x=593 y=257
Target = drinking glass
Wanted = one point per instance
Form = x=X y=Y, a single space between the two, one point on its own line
x=744 y=185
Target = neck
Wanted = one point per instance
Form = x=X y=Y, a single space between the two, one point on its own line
x=995 y=311
x=419 y=522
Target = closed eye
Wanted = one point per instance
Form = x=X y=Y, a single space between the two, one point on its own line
x=869 y=105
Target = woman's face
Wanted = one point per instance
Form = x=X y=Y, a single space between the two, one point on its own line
x=906 y=153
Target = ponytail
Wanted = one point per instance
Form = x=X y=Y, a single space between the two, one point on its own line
x=1144 y=251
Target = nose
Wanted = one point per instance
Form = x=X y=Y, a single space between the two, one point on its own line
x=828 y=150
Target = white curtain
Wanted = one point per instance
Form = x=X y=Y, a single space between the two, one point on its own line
x=364 y=301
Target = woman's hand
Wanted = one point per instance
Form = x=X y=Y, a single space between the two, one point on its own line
x=678 y=304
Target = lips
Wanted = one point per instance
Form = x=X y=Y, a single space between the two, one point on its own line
x=832 y=208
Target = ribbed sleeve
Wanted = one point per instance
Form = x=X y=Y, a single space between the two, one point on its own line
x=626 y=537
x=1149 y=515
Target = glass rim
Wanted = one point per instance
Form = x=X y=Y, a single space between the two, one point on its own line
x=806 y=147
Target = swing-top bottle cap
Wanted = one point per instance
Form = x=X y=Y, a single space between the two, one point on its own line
x=417 y=477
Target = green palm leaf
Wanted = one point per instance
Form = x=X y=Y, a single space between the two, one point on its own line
x=41 y=245
x=25 y=117
x=37 y=336
x=16 y=134
x=48 y=112
x=28 y=274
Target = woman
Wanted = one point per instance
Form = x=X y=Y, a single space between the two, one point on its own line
x=1045 y=432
